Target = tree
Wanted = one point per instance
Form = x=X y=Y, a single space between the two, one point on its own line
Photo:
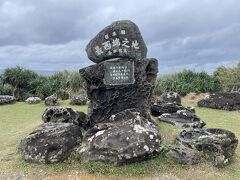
x=19 y=78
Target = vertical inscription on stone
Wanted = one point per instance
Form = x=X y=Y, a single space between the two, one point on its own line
x=119 y=73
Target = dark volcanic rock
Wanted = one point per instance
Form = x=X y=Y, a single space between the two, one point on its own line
x=225 y=101
x=33 y=100
x=184 y=155
x=51 y=101
x=160 y=107
x=183 y=119
x=120 y=39
x=217 y=145
x=107 y=100
x=128 y=137
x=5 y=99
x=63 y=114
x=50 y=142
x=78 y=100
x=171 y=97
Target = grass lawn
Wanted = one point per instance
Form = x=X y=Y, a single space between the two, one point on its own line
x=18 y=120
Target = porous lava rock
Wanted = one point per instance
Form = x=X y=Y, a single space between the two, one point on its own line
x=160 y=107
x=50 y=142
x=217 y=145
x=52 y=100
x=171 y=97
x=184 y=155
x=63 y=114
x=183 y=119
x=33 y=100
x=5 y=99
x=107 y=100
x=78 y=100
x=126 y=137
x=225 y=101
x=120 y=39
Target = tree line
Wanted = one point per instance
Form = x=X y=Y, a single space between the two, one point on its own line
x=188 y=81
x=23 y=83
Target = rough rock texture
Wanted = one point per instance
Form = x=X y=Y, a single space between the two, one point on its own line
x=5 y=99
x=50 y=142
x=160 y=107
x=51 y=101
x=171 y=97
x=184 y=155
x=78 y=100
x=225 y=101
x=217 y=145
x=33 y=100
x=63 y=114
x=107 y=100
x=120 y=39
x=183 y=119
x=128 y=137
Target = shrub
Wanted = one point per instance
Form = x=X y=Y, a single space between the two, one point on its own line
x=76 y=82
x=187 y=81
x=229 y=75
x=64 y=95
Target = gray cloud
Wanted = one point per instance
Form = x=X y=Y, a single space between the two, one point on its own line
x=52 y=34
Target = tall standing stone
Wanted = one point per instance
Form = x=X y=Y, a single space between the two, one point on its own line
x=119 y=88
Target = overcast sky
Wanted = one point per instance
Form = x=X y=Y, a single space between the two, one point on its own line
x=52 y=34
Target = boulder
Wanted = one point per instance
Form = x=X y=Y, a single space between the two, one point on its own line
x=160 y=107
x=52 y=101
x=33 y=100
x=120 y=39
x=126 y=137
x=171 y=97
x=184 y=155
x=50 y=142
x=5 y=99
x=224 y=101
x=217 y=145
x=107 y=99
x=183 y=119
x=64 y=114
x=78 y=100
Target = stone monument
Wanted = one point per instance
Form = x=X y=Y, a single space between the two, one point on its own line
x=119 y=88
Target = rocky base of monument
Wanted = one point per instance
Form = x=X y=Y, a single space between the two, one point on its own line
x=52 y=101
x=63 y=114
x=183 y=119
x=224 y=101
x=78 y=100
x=111 y=95
x=127 y=137
x=50 y=142
x=33 y=100
x=5 y=99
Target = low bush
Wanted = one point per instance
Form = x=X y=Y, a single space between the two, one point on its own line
x=187 y=81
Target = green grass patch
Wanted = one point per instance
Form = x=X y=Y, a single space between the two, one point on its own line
x=18 y=120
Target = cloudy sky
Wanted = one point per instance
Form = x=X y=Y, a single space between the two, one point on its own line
x=51 y=35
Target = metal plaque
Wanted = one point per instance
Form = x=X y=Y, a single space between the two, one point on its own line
x=119 y=72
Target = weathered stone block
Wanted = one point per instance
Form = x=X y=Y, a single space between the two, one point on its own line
x=106 y=100
x=126 y=137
